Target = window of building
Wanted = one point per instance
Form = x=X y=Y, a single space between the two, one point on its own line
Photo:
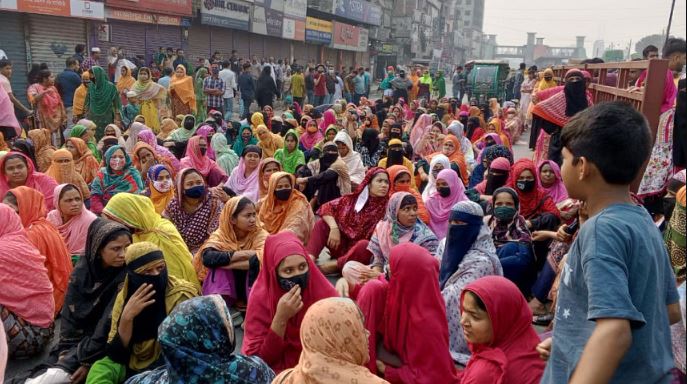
x=467 y=13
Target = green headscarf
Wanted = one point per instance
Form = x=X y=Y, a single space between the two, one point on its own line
x=102 y=101
x=225 y=157
x=239 y=145
x=77 y=132
x=181 y=134
x=290 y=160
x=201 y=98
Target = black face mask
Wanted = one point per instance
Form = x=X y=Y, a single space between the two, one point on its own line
x=189 y=124
x=286 y=283
x=282 y=194
x=203 y=151
x=147 y=322
x=444 y=191
x=395 y=157
x=494 y=182
x=525 y=186
x=326 y=160
x=395 y=135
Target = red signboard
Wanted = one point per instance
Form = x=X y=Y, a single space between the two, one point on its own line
x=171 y=7
x=345 y=36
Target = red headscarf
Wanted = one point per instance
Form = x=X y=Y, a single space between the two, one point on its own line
x=328 y=118
x=262 y=304
x=358 y=225
x=536 y=201
x=415 y=326
x=511 y=356
x=198 y=161
x=36 y=180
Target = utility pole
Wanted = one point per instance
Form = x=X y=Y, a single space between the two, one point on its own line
x=670 y=21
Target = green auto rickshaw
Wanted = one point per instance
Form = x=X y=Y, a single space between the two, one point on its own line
x=486 y=80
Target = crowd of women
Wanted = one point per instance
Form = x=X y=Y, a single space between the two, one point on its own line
x=151 y=242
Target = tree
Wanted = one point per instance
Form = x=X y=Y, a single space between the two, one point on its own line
x=656 y=40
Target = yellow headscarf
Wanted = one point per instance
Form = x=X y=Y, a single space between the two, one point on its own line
x=543 y=84
x=126 y=81
x=256 y=120
x=183 y=87
x=138 y=212
x=268 y=141
x=147 y=352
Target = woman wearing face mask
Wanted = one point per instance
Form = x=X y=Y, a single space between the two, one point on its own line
x=268 y=141
x=30 y=205
x=227 y=159
x=148 y=294
x=512 y=238
x=196 y=158
x=62 y=170
x=84 y=162
x=536 y=206
x=147 y=136
x=138 y=214
x=449 y=191
x=370 y=148
x=144 y=157
x=71 y=218
x=245 y=179
x=485 y=158
x=194 y=211
x=285 y=208
x=466 y=254
x=245 y=139
x=28 y=309
x=395 y=156
x=289 y=156
x=493 y=133
x=497 y=176
x=349 y=219
x=151 y=95
x=496 y=323
x=267 y=167
x=311 y=136
x=328 y=176
x=178 y=140
x=408 y=340
x=87 y=312
x=450 y=148
x=428 y=177
x=117 y=176
x=334 y=346
x=236 y=246
x=160 y=186
x=401 y=181
x=42 y=147
x=287 y=285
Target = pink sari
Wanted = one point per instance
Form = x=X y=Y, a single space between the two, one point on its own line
x=75 y=230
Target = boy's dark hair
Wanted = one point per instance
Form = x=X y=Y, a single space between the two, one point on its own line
x=79 y=48
x=649 y=48
x=613 y=136
x=226 y=64
x=523 y=65
x=674 y=45
x=4 y=63
x=167 y=71
x=70 y=61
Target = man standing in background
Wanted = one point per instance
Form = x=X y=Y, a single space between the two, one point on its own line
x=519 y=79
x=298 y=86
x=67 y=83
x=247 y=88
x=229 y=78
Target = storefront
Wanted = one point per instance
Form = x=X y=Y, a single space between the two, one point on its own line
x=14 y=48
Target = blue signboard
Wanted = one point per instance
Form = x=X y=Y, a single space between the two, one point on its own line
x=358 y=10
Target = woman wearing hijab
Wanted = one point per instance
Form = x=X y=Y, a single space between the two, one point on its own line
x=167 y=126
x=196 y=157
x=245 y=139
x=354 y=163
x=102 y=102
x=328 y=119
x=117 y=176
x=43 y=149
x=429 y=177
x=551 y=182
x=450 y=148
x=181 y=93
x=47 y=103
x=512 y=238
x=370 y=148
x=25 y=147
x=17 y=170
x=432 y=141
x=226 y=158
x=497 y=176
x=245 y=178
x=194 y=211
x=497 y=324
x=400 y=225
x=85 y=164
x=465 y=147
x=85 y=130
x=30 y=205
x=138 y=213
x=206 y=131
x=334 y=346
x=396 y=156
x=420 y=129
x=125 y=83
x=289 y=156
x=408 y=340
x=287 y=285
x=351 y=218
x=449 y=191
x=26 y=297
x=493 y=134
x=266 y=88
x=269 y=142
x=62 y=170
x=112 y=130
x=71 y=218
x=86 y=315
x=267 y=167
x=160 y=188
x=236 y=246
x=401 y=181
x=148 y=294
x=151 y=95
x=536 y=206
x=201 y=98
x=311 y=136
x=485 y=158
x=197 y=340
x=285 y=208
x=327 y=177
x=466 y=254
x=147 y=136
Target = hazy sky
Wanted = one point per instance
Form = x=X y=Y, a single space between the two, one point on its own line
x=558 y=22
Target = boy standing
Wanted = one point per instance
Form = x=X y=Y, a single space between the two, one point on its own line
x=617 y=295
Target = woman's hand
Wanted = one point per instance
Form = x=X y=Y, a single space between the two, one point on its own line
x=142 y=298
x=543 y=235
x=562 y=235
x=334 y=239
x=289 y=304
x=219 y=193
x=544 y=348
x=381 y=368
x=342 y=287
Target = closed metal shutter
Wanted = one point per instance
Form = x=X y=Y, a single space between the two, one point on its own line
x=348 y=59
x=277 y=48
x=221 y=39
x=257 y=46
x=331 y=55
x=52 y=40
x=242 y=44
x=313 y=53
x=12 y=42
x=198 y=44
x=300 y=52
x=129 y=36
x=162 y=36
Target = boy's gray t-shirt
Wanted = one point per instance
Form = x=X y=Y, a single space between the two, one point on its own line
x=618 y=267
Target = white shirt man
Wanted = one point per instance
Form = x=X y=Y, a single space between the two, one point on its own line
x=229 y=78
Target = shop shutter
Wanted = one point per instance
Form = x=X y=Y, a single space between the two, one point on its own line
x=277 y=48
x=12 y=42
x=257 y=46
x=331 y=55
x=52 y=39
x=129 y=36
x=221 y=39
x=162 y=36
x=313 y=53
x=300 y=52
x=198 y=44
x=242 y=44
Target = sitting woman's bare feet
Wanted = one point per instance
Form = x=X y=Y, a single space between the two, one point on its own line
x=328 y=267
